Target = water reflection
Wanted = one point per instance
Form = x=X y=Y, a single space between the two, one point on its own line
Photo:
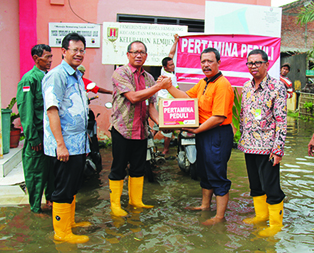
x=169 y=227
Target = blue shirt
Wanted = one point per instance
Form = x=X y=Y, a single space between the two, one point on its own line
x=63 y=87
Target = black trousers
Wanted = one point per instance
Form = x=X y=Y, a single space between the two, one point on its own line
x=69 y=178
x=126 y=151
x=264 y=178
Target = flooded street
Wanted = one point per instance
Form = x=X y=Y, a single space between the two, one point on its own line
x=169 y=227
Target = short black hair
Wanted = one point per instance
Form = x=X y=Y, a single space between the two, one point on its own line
x=39 y=49
x=261 y=52
x=211 y=49
x=165 y=61
x=72 y=36
x=136 y=41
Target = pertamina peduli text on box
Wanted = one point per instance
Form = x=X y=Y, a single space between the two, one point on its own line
x=178 y=113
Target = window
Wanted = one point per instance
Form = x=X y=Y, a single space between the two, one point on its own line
x=194 y=25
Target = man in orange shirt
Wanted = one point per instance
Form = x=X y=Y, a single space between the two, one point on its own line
x=214 y=136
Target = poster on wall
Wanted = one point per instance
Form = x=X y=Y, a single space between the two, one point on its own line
x=157 y=38
x=234 y=18
x=233 y=51
x=91 y=32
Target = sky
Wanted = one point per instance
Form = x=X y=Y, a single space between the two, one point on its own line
x=277 y=3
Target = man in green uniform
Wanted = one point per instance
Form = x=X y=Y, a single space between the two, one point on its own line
x=30 y=106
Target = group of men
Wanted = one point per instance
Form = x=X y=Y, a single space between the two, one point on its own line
x=63 y=102
x=263 y=127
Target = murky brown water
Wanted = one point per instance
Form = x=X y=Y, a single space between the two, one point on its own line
x=170 y=228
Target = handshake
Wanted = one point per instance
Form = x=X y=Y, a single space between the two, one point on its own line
x=164 y=82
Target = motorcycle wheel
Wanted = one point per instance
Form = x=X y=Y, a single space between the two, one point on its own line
x=181 y=160
x=90 y=167
x=193 y=171
x=148 y=171
x=99 y=164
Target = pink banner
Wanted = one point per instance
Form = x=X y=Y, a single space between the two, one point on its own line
x=233 y=55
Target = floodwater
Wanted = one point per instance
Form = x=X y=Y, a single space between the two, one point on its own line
x=169 y=227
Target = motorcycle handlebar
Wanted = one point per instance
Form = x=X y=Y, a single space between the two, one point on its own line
x=92 y=98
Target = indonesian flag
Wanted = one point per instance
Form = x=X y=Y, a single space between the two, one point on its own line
x=26 y=88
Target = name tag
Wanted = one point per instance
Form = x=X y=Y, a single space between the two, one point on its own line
x=258 y=114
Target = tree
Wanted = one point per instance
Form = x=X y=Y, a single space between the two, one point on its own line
x=306 y=14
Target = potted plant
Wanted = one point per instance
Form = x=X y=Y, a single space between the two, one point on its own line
x=15 y=133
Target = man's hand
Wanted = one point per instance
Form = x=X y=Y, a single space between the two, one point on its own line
x=62 y=153
x=176 y=38
x=164 y=81
x=276 y=158
x=310 y=147
x=191 y=130
x=37 y=148
x=55 y=126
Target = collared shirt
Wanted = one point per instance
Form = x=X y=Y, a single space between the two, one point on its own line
x=63 y=87
x=163 y=93
x=263 y=118
x=130 y=120
x=215 y=98
x=30 y=105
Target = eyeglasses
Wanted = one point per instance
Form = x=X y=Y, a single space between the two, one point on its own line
x=47 y=56
x=76 y=51
x=137 y=53
x=257 y=64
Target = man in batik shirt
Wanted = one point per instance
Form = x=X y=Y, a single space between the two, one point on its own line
x=133 y=102
x=263 y=126
x=65 y=135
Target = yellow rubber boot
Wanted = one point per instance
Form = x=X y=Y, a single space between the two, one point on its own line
x=275 y=220
x=61 y=214
x=116 y=188
x=73 y=223
x=136 y=192
x=261 y=210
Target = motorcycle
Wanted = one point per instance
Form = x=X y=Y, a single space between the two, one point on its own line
x=153 y=157
x=187 y=154
x=93 y=162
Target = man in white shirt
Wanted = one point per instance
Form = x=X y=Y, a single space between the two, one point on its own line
x=168 y=70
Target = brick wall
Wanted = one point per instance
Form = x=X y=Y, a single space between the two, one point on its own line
x=295 y=37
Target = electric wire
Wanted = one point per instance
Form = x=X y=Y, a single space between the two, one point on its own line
x=79 y=16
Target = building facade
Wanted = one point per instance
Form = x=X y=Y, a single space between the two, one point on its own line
x=25 y=23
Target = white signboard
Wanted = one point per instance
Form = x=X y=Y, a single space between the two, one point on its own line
x=157 y=38
x=91 y=32
x=232 y=18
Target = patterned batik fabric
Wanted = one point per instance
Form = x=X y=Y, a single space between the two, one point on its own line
x=263 y=117
x=63 y=88
x=130 y=120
